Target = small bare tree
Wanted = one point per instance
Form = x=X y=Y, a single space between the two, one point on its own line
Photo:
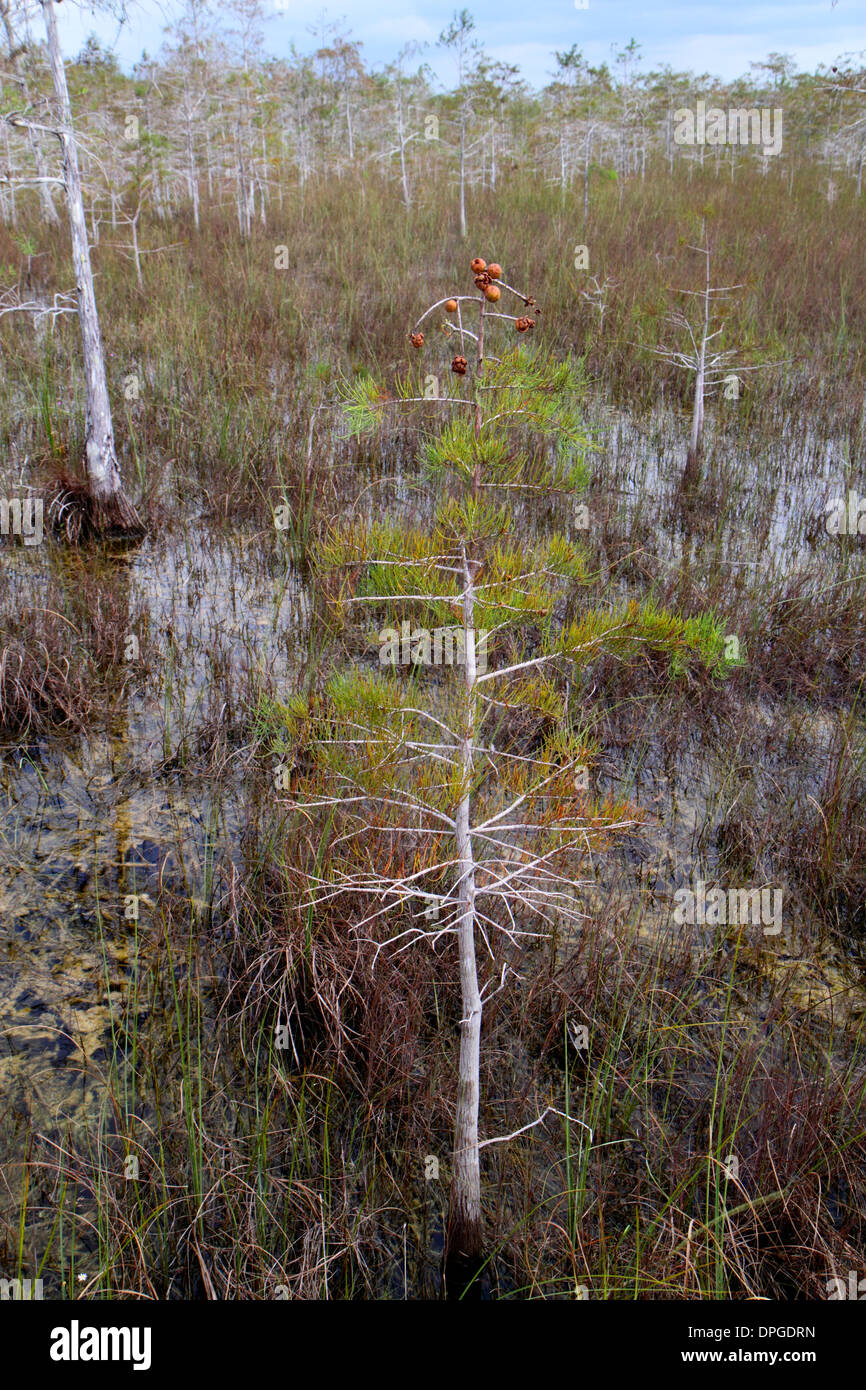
x=467 y=54
x=711 y=366
x=597 y=297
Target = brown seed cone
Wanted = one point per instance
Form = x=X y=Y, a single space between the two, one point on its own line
x=459 y=365
x=417 y=340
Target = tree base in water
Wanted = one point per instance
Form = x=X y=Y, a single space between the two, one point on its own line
x=464 y=1265
x=77 y=515
x=465 y=1278
x=692 y=474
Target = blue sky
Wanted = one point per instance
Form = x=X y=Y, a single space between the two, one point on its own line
x=721 y=38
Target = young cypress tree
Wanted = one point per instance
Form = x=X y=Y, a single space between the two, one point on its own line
x=434 y=814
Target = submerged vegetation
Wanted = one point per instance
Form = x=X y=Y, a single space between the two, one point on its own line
x=236 y=778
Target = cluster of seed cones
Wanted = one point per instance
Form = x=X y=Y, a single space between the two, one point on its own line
x=485 y=280
x=485 y=275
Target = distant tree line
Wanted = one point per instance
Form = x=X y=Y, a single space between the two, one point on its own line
x=215 y=121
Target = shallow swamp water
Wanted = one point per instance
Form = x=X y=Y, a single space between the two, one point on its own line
x=94 y=828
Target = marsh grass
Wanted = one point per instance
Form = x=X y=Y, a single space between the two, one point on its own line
x=302 y=1169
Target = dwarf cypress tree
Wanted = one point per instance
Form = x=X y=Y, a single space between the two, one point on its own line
x=437 y=817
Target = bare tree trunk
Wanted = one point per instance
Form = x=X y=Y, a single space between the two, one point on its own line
x=401 y=136
x=209 y=158
x=404 y=177
x=192 y=173
x=262 y=180
x=694 y=455
x=562 y=166
x=109 y=509
x=5 y=215
x=158 y=198
x=463 y=174
x=479 y=409
x=10 y=208
x=136 y=254
x=349 y=132
x=465 y=1236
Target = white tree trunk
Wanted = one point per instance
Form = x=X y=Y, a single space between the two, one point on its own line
x=463 y=174
x=136 y=253
x=693 y=460
x=192 y=172
x=103 y=472
x=401 y=136
x=10 y=208
x=349 y=132
x=464 y=1226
